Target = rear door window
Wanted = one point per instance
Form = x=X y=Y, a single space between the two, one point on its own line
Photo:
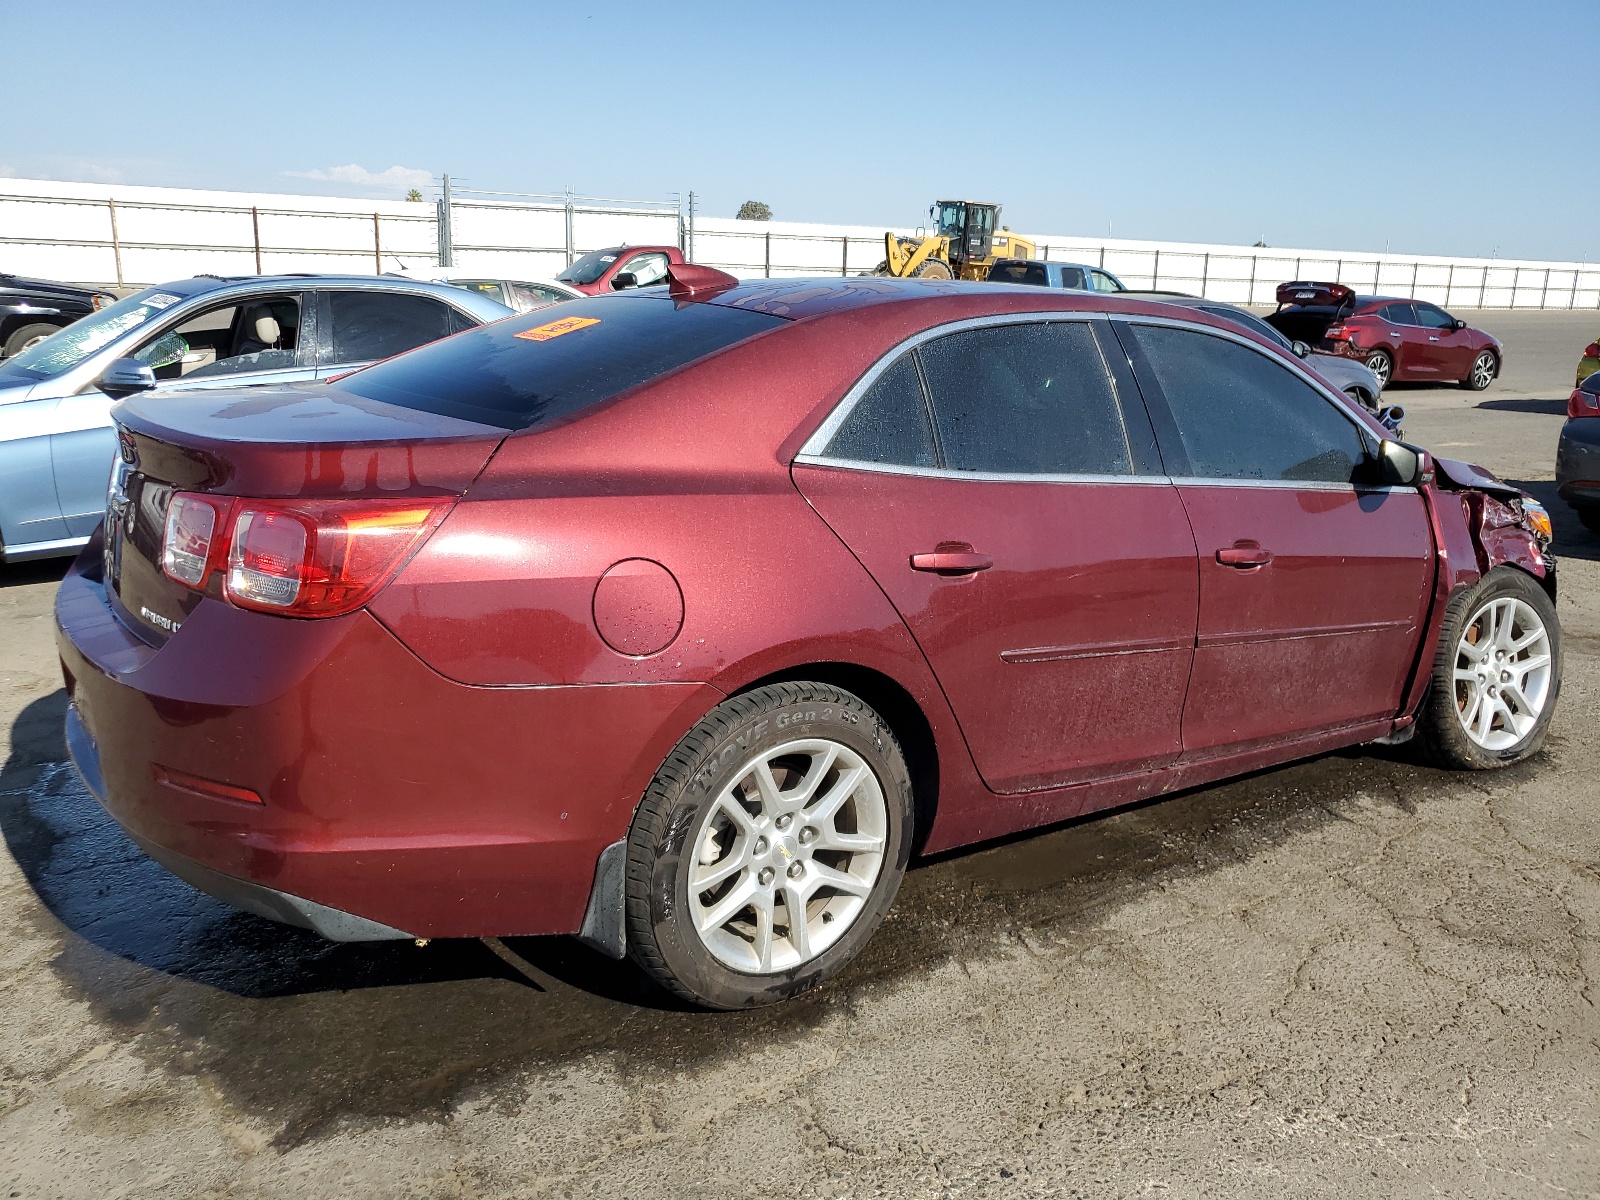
x=365 y=325
x=1032 y=399
x=1399 y=314
x=1072 y=277
x=890 y=423
x=1237 y=414
x=526 y=371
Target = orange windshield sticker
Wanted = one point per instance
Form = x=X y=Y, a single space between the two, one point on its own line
x=554 y=329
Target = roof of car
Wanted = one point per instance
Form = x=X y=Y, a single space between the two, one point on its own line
x=204 y=285
x=798 y=299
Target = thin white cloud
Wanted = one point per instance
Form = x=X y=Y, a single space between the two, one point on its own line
x=354 y=173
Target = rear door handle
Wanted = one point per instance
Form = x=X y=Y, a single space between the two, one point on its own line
x=952 y=559
x=1244 y=555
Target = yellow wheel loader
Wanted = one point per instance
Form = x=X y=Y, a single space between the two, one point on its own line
x=964 y=244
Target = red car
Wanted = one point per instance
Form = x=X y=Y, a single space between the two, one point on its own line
x=618 y=267
x=1409 y=341
x=682 y=620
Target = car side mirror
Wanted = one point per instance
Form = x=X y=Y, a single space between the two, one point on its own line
x=1458 y=324
x=126 y=376
x=1301 y=350
x=624 y=279
x=1400 y=465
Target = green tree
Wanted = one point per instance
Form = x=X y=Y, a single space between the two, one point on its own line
x=414 y=196
x=754 y=210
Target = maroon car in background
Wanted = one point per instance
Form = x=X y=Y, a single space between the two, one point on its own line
x=681 y=620
x=618 y=267
x=1405 y=341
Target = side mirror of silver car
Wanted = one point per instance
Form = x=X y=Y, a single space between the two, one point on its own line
x=1400 y=465
x=1301 y=350
x=126 y=376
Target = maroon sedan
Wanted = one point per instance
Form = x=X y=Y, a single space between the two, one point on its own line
x=1409 y=341
x=679 y=622
x=619 y=267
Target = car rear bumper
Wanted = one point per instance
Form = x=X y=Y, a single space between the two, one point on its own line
x=1578 y=461
x=393 y=802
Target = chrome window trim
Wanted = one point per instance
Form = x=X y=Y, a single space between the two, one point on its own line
x=1289 y=485
x=1298 y=485
x=854 y=464
x=818 y=441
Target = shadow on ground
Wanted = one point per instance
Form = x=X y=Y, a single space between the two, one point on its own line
x=44 y=570
x=1553 y=407
x=311 y=1034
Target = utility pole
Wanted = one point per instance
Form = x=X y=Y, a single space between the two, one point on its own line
x=690 y=253
x=446 y=234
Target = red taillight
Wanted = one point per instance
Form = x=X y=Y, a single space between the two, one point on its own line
x=1592 y=350
x=300 y=558
x=1583 y=404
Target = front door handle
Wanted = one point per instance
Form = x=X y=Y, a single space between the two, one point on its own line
x=1244 y=555
x=952 y=558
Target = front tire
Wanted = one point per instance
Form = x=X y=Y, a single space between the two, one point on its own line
x=1484 y=369
x=1589 y=514
x=1359 y=395
x=29 y=335
x=1496 y=675
x=1381 y=365
x=933 y=268
x=768 y=847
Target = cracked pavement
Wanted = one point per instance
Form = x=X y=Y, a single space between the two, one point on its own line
x=1352 y=976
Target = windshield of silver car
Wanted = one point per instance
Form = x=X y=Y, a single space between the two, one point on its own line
x=65 y=349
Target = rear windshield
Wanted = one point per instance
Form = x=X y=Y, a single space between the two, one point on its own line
x=534 y=369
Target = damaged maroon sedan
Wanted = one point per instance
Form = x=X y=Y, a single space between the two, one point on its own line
x=680 y=622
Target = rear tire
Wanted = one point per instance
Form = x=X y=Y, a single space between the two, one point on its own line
x=1484 y=369
x=28 y=335
x=1382 y=365
x=1496 y=675
x=1589 y=514
x=788 y=809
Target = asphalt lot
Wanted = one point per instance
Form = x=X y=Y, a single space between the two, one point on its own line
x=1352 y=976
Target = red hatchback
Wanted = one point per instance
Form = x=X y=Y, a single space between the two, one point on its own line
x=1409 y=341
x=680 y=621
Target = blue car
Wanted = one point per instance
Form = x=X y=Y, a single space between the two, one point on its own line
x=1040 y=273
x=56 y=437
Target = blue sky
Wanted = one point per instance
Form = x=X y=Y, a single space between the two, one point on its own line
x=1447 y=128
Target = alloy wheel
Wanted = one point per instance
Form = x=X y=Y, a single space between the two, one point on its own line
x=1502 y=673
x=1380 y=366
x=786 y=858
x=1482 y=371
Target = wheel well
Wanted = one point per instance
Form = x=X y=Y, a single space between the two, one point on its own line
x=904 y=717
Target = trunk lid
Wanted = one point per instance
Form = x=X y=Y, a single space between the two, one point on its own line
x=295 y=442
x=1306 y=309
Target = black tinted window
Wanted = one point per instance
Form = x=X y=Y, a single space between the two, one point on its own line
x=1072 y=277
x=1434 y=318
x=889 y=424
x=368 y=325
x=1028 y=399
x=549 y=364
x=1399 y=314
x=1239 y=415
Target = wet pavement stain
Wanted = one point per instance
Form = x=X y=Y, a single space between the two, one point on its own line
x=315 y=1036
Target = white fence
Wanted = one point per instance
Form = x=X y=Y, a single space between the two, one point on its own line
x=111 y=234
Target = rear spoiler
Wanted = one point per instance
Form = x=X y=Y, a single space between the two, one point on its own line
x=1316 y=295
